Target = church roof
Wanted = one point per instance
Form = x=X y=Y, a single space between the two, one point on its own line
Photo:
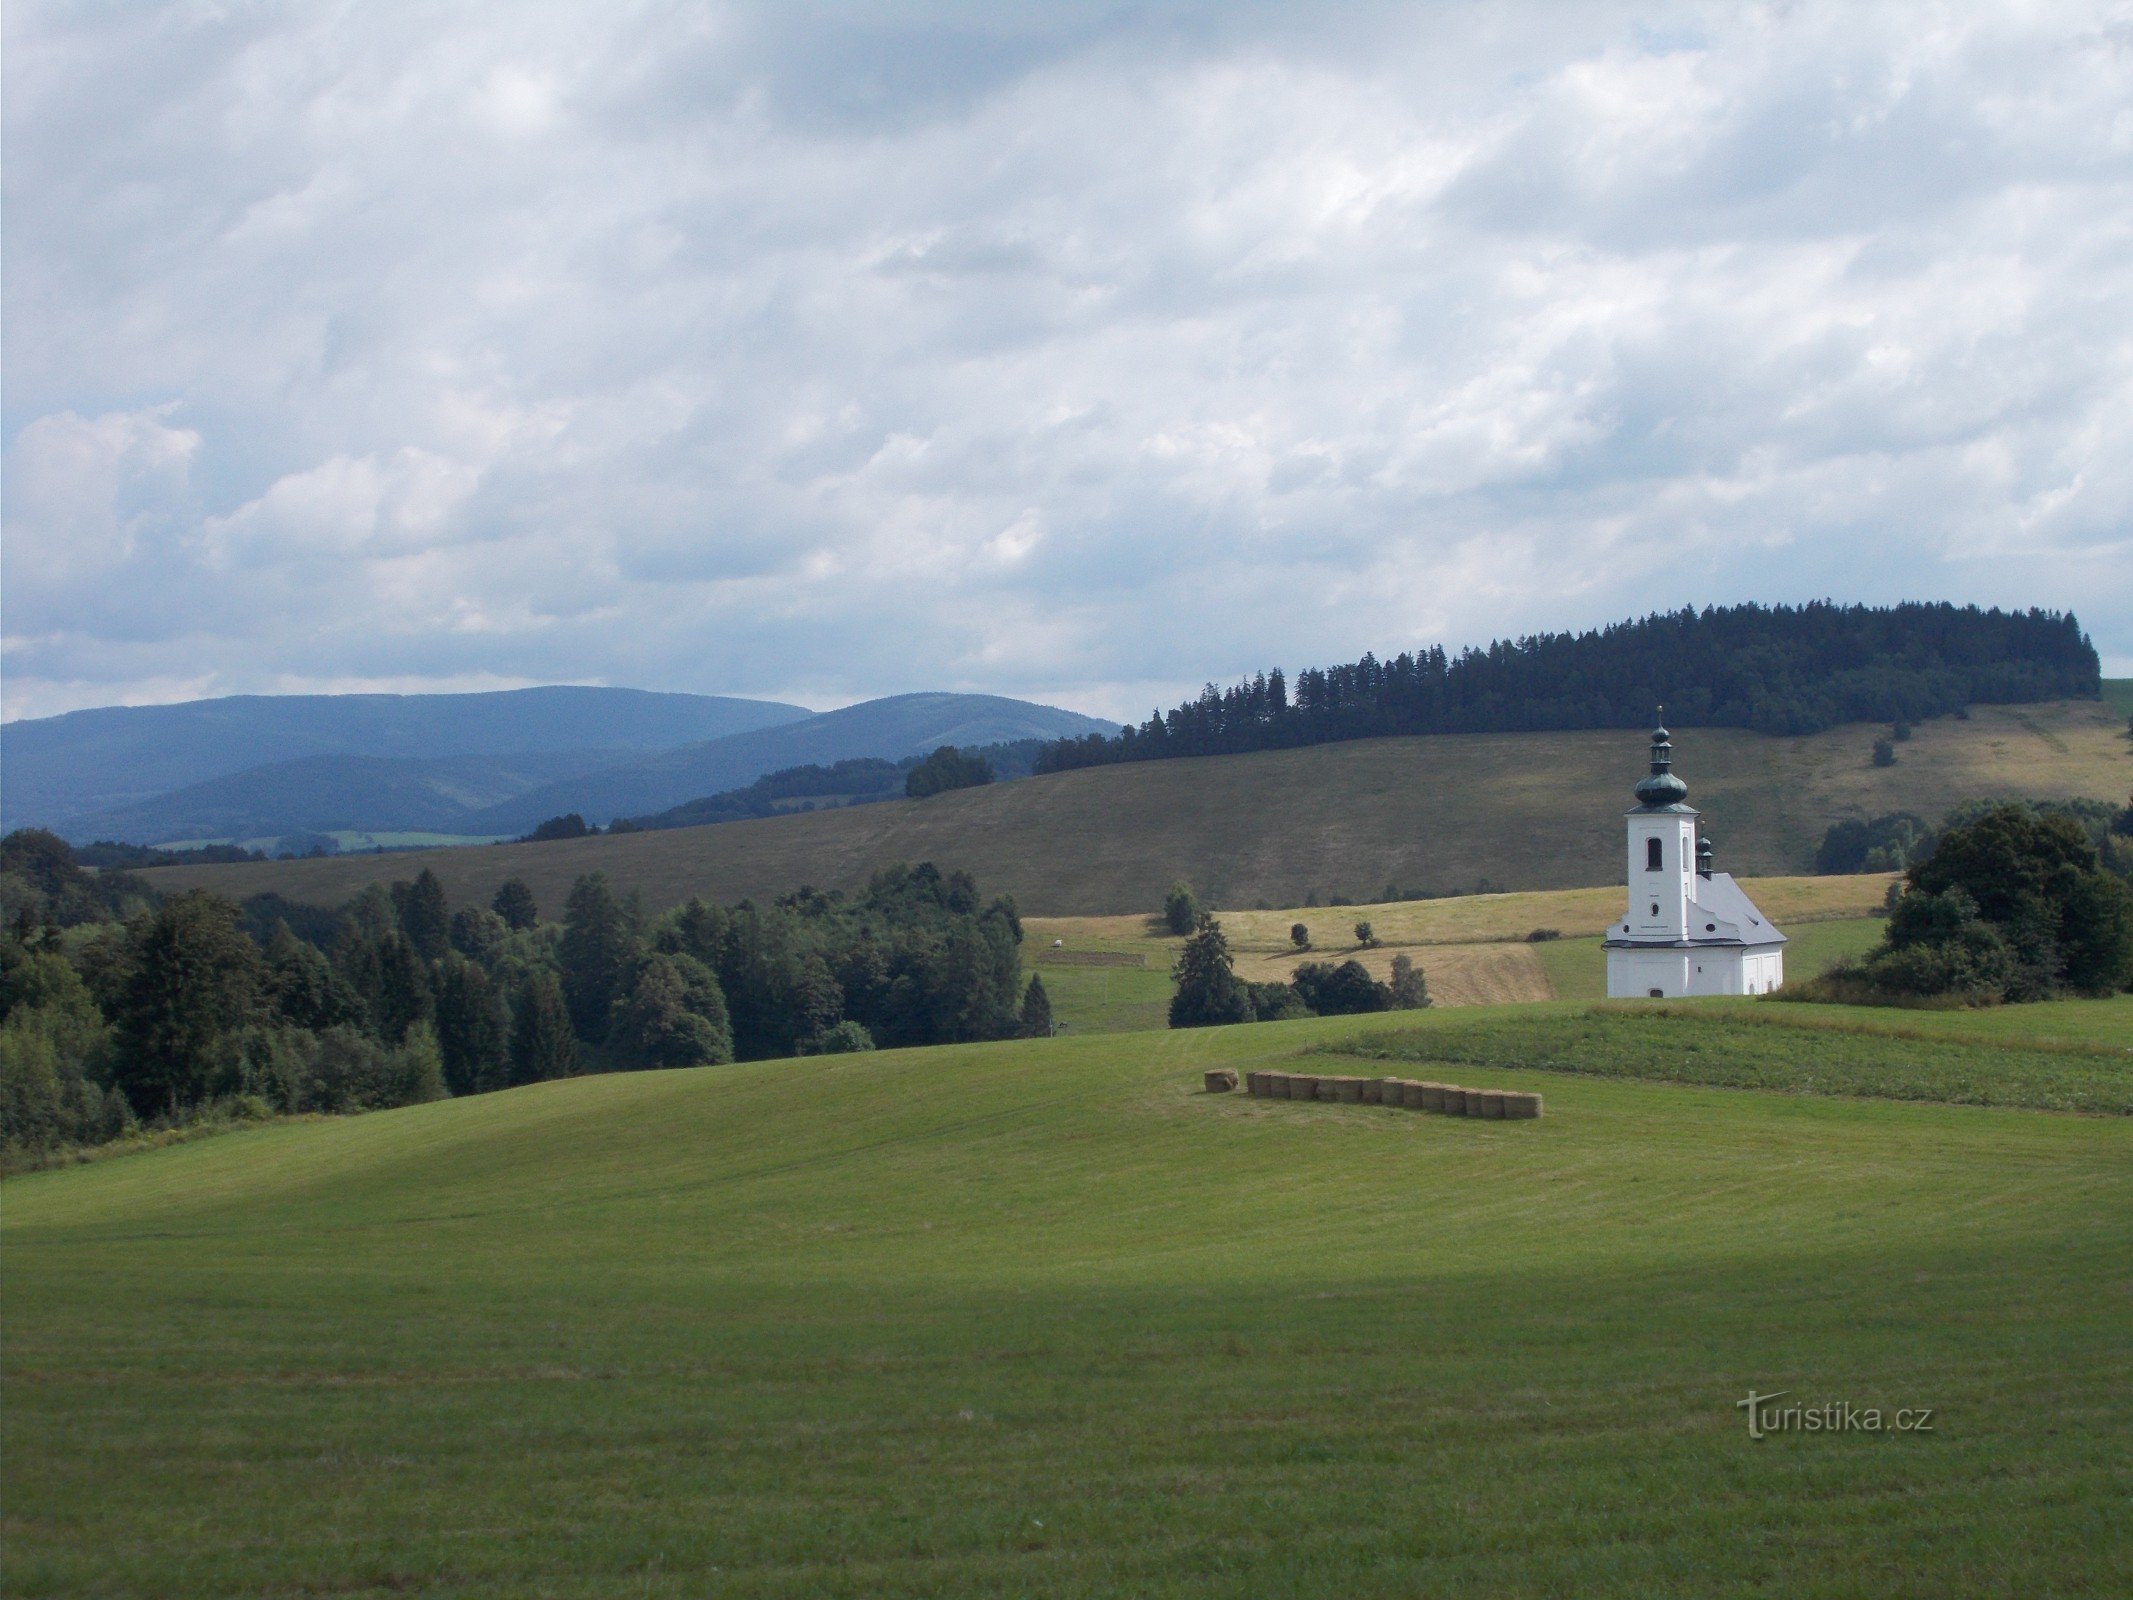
x=1661 y=790
x=1720 y=914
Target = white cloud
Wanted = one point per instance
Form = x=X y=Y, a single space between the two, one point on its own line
x=834 y=352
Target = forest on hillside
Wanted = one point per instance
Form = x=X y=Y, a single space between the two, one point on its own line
x=1775 y=669
x=122 y=1007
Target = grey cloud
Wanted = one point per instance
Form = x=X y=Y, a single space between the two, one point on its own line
x=1081 y=351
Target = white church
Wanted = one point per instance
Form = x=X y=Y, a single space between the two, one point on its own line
x=1686 y=930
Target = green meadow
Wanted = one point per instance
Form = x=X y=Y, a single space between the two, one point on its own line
x=1044 y=1318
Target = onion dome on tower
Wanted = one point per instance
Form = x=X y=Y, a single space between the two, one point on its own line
x=1662 y=788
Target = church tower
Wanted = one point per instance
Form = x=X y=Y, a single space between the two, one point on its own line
x=1686 y=929
x=1662 y=851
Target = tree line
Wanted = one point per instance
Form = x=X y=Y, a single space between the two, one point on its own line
x=1775 y=669
x=119 y=1007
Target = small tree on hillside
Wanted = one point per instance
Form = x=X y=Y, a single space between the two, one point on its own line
x=1410 y=989
x=1181 y=911
x=1366 y=935
x=1036 y=1009
x=1209 y=991
x=1299 y=936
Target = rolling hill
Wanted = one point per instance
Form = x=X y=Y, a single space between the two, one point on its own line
x=63 y=771
x=898 y=726
x=329 y=794
x=1436 y=814
x=603 y=753
x=1042 y=1318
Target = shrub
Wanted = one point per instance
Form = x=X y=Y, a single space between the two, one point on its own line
x=1884 y=753
x=1299 y=936
x=1366 y=936
x=846 y=1038
x=1181 y=911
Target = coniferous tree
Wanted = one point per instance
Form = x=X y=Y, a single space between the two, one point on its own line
x=1209 y=991
x=424 y=916
x=598 y=955
x=471 y=1030
x=514 y=903
x=543 y=1044
x=1036 y=1009
x=393 y=982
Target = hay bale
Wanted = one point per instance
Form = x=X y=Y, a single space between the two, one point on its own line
x=1219 y=1081
x=1485 y=1103
x=1302 y=1086
x=1349 y=1091
x=1521 y=1107
x=1277 y=1085
x=1451 y=1100
x=1414 y=1094
x=1252 y=1085
x=1373 y=1091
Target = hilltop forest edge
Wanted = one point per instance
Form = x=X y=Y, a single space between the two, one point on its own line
x=1772 y=669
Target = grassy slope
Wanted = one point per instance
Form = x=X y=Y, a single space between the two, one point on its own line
x=1040 y=1318
x=1522 y=810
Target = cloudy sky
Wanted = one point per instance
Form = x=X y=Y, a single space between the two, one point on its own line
x=1077 y=352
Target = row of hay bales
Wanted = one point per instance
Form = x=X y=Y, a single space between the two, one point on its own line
x=1449 y=1099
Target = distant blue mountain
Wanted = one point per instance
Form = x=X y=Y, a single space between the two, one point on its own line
x=58 y=772
x=257 y=766
x=902 y=725
x=330 y=794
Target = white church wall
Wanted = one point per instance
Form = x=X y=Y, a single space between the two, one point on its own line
x=1647 y=974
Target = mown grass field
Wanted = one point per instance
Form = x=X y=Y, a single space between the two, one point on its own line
x=1043 y=1318
x=1521 y=811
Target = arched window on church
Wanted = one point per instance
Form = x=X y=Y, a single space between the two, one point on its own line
x=1654 y=855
